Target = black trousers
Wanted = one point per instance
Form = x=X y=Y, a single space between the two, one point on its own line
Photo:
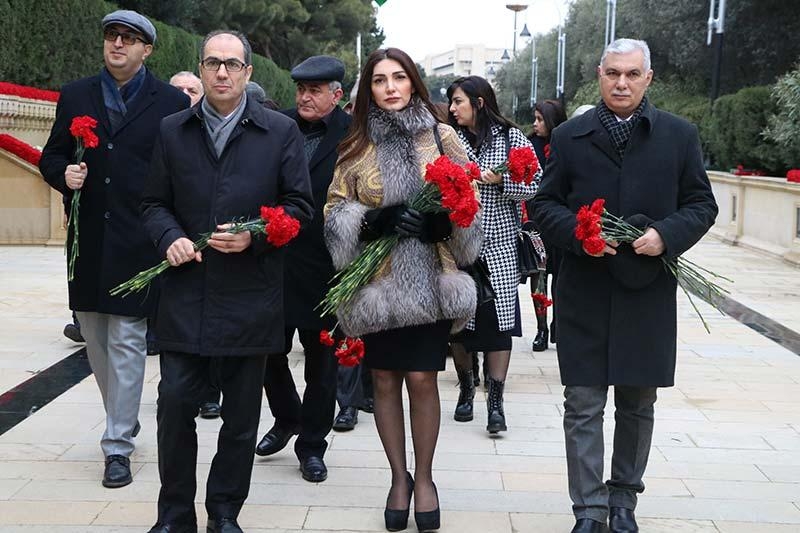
x=354 y=386
x=184 y=381
x=314 y=422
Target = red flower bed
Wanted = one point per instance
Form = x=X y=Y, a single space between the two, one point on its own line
x=28 y=92
x=793 y=175
x=20 y=149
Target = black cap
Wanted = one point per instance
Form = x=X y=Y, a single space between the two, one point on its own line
x=134 y=21
x=319 y=68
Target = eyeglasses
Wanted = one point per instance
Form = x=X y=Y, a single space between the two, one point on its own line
x=110 y=34
x=213 y=64
x=632 y=76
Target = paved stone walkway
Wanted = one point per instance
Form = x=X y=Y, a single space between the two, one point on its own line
x=725 y=457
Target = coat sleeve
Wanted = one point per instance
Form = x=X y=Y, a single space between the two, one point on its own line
x=520 y=191
x=344 y=215
x=697 y=208
x=60 y=148
x=465 y=243
x=157 y=204
x=550 y=212
x=294 y=188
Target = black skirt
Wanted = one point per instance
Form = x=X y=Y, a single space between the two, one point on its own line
x=413 y=348
x=487 y=336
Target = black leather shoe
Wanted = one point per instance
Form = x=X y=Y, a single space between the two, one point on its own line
x=346 y=420
x=540 y=342
x=117 y=472
x=173 y=528
x=73 y=333
x=587 y=525
x=429 y=520
x=274 y=441
x=622 y=520
x=210 y=410
x=368 y=406
x=222 y=525
x=397 y=519
x=136 y=429
x=314 y=469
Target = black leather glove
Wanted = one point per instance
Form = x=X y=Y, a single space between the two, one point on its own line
x=380 y=222
x=427 y=227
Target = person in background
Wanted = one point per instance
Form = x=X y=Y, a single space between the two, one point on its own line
x=308 y=269
x=353 y=393
x=547 y=115
x=188 y=83
x=128 y=103
x=406 y=312
x=221 y=160
x=487 y=137
x=617 y=308
x=257 y=93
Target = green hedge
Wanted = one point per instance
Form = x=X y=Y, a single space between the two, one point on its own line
x=47 y=44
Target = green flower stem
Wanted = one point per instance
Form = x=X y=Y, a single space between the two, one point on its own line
x=72 y=252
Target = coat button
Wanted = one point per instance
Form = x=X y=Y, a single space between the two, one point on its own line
x=108 y=180
x=107 y=215
x=110 y=146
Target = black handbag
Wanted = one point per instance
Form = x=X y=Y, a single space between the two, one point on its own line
x=479 y=271
x=531 y=255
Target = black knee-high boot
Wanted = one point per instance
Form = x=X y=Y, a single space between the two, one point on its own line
x=494 y=407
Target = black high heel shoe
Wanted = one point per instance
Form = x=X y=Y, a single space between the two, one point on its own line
x=429 y=520
x=397 y=519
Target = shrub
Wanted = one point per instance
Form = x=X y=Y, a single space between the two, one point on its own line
x=784 y=126
x=47 y=44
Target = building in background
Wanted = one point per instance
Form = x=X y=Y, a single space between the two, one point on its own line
x=465 y=60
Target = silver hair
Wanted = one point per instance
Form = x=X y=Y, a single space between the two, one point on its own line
x=334 y=85
x=184 y=73
x=624 y=46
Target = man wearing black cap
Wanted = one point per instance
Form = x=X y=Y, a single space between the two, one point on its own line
x=308 y=268
x=128 y=103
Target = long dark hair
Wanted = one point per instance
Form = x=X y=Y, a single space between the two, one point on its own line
x=552 y=113
x=357 y=138
x=486 y=115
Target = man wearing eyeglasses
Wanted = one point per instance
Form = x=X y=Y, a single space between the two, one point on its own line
x=221 y=308
x=617 y=308
x=128 y=103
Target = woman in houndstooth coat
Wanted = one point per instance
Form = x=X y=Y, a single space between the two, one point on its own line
x=487 y=138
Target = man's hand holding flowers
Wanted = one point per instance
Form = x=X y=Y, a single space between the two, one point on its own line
x=229 y=243
x=650 y=243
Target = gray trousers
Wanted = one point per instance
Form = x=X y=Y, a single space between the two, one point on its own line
x=117 y=350
x=583 y=430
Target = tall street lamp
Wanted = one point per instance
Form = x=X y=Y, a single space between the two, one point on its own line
x=716 y=25
x=611 y=21
x=516 y=8
x=534 y=63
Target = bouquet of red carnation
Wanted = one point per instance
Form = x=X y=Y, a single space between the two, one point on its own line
x=522 y=164
x=448 y=188
x=278 y=227
x=350 y=351
x=82 y=129
x=596 y=226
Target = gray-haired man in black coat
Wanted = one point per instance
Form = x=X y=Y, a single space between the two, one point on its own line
x=617 y=309
x=308 y=271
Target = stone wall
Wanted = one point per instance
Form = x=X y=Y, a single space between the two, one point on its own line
x=761 y=213
x=30 y=211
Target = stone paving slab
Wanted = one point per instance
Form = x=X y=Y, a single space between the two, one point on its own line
x=725 y=457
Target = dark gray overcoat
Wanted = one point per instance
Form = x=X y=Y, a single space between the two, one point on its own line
x=616 y=318
x=229 y=304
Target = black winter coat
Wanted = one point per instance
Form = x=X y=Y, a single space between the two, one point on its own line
x=112 y=241
x=229 y=304
x=307 y=265
x=615 y=327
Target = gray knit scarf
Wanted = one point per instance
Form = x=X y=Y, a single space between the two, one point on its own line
x=219 y=128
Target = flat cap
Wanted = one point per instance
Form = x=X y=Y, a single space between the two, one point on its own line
x=133 y=20
x=319 y=68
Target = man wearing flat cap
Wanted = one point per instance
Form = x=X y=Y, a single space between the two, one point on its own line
x=308 y=269
x=128 y=103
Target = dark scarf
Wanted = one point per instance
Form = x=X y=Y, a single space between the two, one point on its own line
x=619 y=131
x=117 y=99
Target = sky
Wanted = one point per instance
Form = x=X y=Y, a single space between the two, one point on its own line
x=422 y=27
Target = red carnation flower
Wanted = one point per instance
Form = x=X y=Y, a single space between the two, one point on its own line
x=594 y=245
x=350 y=352
x=540 y=303
x=280 y=227
x=522 y=164
x=547 y=151
x=598 y=207
x=83 y=128
x=325 y=338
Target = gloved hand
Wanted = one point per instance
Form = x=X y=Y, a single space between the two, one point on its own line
x=380 y=222
x=427 y=227
x=410 y=223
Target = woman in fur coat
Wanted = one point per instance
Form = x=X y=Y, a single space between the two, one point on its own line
x=407 y=312
x=487 y=138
